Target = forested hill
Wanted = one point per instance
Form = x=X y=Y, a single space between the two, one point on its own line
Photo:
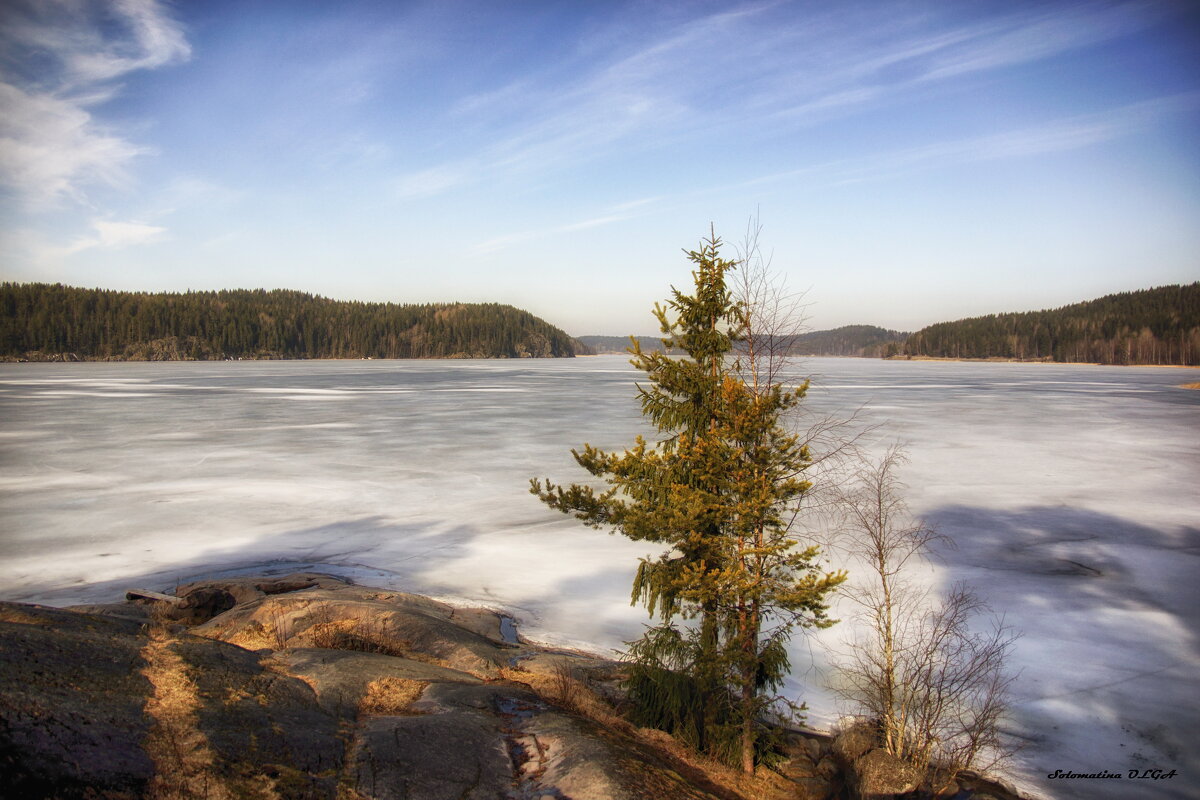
x=1153 y=326
x=49 y=322
x=619 y=344
x=851 y=340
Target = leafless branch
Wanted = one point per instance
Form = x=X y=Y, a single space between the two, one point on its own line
x=936 y=688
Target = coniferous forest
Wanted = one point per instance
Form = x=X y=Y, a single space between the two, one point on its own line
x=851 y=340
x=1153 y=326
x=56 y=322
x=868 y=341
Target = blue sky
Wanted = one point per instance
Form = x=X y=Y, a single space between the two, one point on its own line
x=909 y=162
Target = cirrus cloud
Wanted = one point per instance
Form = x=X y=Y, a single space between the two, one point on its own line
x=58 y=60
x=111 y=234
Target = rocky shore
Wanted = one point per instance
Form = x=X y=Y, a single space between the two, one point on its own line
x=309 y=687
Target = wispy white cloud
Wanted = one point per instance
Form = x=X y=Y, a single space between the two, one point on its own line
x=761 y=67
x=594 y=222
x=497 y=243
x=641 y=88
x=433 y=181
x=114 y=235
x=61 y=59
x=151 y=40
x=1056 y=136
x=1038 y=35
x=193 y=190
x=617 y=213
x=50 y=147
x=838 y=70
x=33 y=249
x=630 y=205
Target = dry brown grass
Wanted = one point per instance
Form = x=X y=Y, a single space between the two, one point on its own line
x=19 y=617
x=330 y=634
x=183 y=760
x=364 y=636
x=391 y=696
x=1189 y=386
x=763 y=785
x=561 y=685
x=567 y=688
x=267 y=630
x=254 y=636
x=161 y=614
x=278 y=626
x=347 y=792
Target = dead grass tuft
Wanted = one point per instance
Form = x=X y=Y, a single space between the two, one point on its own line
x=19 y=617
x=183 y=760
x=161 y=615
x=391 y=696
x=253 y=637
x=278 y=626
x=364 y=636
x=765 y=784
x=347 y=792
x=563 y=688
x=567 y=689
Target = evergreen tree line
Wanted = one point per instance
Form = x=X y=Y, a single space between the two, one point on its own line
x=44 y=321
x=867 y=341
x=1153 y=326
x=621 y=344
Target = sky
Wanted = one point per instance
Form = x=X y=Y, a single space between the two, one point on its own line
x=907 y=162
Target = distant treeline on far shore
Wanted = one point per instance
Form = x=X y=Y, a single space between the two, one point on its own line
x=859 y=341
x=1153 y=326
x=55 y=322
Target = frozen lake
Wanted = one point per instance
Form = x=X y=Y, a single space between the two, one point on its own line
x=1070 y=490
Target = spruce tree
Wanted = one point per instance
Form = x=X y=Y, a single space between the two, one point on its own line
x=717 y=489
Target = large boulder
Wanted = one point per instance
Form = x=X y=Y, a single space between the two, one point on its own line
x=807 y=765
x=449 y=756
x=344 y=680
x=853 y=742
x=879 y=775
x=553 y=753
x=368 y=620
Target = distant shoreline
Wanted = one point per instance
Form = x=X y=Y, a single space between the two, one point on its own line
x=73 y=358
x=1048 y=362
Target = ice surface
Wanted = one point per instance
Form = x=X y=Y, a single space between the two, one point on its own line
x=1070 y=491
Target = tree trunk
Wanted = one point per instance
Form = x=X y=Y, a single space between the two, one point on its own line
x=749 y=674
x=708 y=649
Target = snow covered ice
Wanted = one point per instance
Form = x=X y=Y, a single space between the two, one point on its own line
x=1069 y=490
